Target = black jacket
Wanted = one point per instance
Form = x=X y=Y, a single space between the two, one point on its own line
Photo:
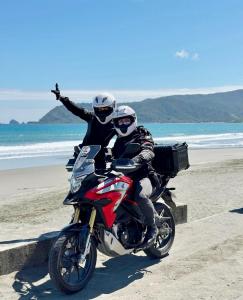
x=97 y=133
x=144 y=155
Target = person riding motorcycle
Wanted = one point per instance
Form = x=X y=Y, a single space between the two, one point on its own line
x=100 y=126
x=125 y=124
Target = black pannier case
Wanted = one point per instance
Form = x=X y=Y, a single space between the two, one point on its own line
x=170 y=159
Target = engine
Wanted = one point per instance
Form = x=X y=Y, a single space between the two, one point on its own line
x=130 y=234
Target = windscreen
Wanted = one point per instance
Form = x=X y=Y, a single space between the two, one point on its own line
x=84 y=164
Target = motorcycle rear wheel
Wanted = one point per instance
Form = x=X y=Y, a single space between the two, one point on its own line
x=65 y=271
x=166 y=235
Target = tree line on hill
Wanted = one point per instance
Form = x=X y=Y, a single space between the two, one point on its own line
x=218 y=107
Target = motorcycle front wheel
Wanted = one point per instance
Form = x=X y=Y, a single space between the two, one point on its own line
x=65 y=269
x=166 y=234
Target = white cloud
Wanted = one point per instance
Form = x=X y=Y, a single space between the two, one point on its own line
x=121 y=95
x=195 y=56
x=182 y=54
x=185 y=54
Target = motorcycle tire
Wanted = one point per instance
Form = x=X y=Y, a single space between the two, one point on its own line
x=160 y=250
x=59 y=261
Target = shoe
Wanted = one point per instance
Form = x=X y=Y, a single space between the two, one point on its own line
x=150 y=236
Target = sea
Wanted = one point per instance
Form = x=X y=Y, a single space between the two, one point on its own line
x=29 y=145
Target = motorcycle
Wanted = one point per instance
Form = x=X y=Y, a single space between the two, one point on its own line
x=106 y=218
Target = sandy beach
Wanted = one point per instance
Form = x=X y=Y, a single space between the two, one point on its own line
x=205 y=261
x=213 y=184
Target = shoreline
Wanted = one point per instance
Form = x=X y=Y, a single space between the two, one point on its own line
x=22 y=148
x=48 y=161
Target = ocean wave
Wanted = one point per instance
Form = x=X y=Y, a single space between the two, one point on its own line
x=38 y=150
x=202 y=137
x=223 y=140
x=65 y=148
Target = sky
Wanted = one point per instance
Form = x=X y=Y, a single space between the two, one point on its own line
x=135 y=49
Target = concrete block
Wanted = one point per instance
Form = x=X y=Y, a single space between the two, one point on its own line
x=29 y=254
x=179 y=211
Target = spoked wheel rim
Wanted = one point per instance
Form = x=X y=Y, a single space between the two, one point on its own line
x=71 y=270
x=165 y=233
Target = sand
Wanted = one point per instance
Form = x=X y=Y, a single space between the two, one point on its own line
x=213 y=184
x=205 y=262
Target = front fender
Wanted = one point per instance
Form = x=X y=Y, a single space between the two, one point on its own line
x=81 y=230
x=74 y=227
x=70 y=199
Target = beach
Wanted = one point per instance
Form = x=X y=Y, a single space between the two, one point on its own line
x=205 y=261
x=211 y=185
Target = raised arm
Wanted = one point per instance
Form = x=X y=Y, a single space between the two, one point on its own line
x=76 y=110
x=72 y=107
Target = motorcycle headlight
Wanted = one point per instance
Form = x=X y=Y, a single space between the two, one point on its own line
x=75 y=183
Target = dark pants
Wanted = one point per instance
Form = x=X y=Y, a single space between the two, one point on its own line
x=143 y=190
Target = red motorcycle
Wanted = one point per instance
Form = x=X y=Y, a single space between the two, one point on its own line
x=106 y=218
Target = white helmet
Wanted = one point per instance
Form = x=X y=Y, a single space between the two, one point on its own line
x=104 y=105
x=125 y=120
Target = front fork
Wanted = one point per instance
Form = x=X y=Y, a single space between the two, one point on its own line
x=76 y=215
x=90 y=230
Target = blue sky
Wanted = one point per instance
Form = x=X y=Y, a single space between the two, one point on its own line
x=134 y=48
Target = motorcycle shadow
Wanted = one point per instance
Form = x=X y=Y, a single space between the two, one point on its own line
x=237 y=210
x=113 y=275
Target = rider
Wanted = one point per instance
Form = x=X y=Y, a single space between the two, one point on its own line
x=100 y=126
x=125 y=123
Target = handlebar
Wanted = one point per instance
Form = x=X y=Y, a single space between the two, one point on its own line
x=124 y=165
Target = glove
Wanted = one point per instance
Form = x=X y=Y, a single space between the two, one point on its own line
x=136 y=159
x=56 y=92
x=76 y=149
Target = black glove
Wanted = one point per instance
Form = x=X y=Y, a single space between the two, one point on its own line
x=76 y=150
x=56 y=92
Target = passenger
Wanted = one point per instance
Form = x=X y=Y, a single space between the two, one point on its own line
x=125 y=123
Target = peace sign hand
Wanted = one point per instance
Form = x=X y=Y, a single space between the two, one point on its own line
x=56 y=92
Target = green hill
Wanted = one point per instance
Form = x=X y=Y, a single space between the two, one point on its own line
x=218 y=107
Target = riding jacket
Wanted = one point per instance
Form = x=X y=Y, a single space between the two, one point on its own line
x=97 y=133
x=143 y=156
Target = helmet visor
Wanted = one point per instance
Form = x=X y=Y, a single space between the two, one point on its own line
x=123 y=123
x=103 y=112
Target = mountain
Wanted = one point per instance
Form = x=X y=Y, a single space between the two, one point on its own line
x=13 y=122
x=218 y=107
x=60 y=114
